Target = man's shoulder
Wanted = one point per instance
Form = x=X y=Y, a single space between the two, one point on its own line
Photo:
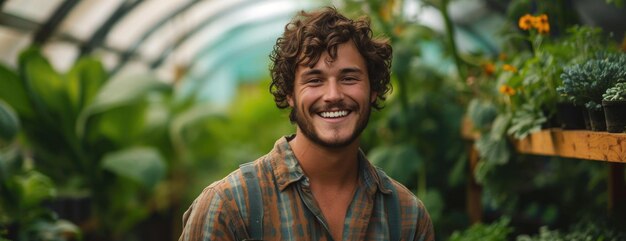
x=236 y=179
x=414 y=214
x=405 y=196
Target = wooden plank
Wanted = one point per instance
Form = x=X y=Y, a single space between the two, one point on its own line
x=473 y=204
x=467 y=130
x=582 y=144
x=617 y=188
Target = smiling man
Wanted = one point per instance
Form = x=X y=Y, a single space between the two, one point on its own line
x=316 y=184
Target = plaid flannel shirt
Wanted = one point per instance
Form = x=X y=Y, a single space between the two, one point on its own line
x=290 y=211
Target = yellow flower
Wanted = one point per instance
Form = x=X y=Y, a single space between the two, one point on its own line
x=510 y=68
x=489 y=68
x=507 y=90
x=525 y=22
x=624 y=44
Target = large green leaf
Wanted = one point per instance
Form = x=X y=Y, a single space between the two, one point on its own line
x=118 y=92
x=123 y=125
x=12 y=91
x=189 y=126
x=85 y=79
x=9 y=123
x=47 y=89
x=142 y=164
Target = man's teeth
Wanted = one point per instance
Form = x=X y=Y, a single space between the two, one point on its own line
x=334 y=114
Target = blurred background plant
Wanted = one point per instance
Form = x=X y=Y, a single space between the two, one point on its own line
x=24 y=190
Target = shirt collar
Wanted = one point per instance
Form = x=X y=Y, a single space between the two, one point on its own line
x=287 y=169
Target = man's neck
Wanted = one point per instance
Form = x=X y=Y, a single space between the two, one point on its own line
x=326 y=166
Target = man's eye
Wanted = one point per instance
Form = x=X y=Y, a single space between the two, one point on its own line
x=314 y=81
x=349 y=79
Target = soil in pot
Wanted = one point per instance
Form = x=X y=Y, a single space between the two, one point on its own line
x=615 y=115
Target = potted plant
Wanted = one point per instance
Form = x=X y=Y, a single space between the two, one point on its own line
x=579 y=45
x=614 y=104
x=584 y=84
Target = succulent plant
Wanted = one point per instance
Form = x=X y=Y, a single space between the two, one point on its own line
x=585 y=84
x=617 y=92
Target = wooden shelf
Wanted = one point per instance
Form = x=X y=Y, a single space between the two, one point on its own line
x=590 y=145
x=582 y=144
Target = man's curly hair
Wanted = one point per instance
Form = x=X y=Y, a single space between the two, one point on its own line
x=308 y=35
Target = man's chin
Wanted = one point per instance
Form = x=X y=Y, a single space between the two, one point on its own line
x=334 y=142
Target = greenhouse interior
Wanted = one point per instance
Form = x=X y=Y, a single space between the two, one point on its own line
x=506 y=118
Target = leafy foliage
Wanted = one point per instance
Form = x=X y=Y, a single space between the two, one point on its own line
x=582 y=231
x=24 y=190
x=89 y=134
x=497 y=231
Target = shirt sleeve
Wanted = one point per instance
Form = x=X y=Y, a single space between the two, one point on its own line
x=425 y=230
x=209 y=218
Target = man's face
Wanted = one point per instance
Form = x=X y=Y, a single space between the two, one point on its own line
x=332 y=100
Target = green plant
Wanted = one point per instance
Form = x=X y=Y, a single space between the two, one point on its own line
x=23 y=191
x=497 y=231
x=533 y=101
x=91 y=135
x=617 y=92
x=584 y=231
x=584 y=84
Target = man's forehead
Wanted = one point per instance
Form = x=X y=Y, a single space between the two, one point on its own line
x=345 y=52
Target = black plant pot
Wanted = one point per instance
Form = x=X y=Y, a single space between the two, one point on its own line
x=570 y=116
x=596 y=118
x=585 y=114
x=551 y=120
x=615 y=114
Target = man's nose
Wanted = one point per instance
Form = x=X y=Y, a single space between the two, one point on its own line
x=333 y=91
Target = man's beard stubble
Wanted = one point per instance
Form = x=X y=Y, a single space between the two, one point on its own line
x=308 y=129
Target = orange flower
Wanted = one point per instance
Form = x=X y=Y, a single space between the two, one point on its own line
x=624 y=44
x=541 y=24
x=507 y=90
x=525 y=22
x=489 y=68
x=510 y=68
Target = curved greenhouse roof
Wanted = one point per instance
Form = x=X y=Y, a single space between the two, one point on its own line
x=219 y=41
x=213 y=45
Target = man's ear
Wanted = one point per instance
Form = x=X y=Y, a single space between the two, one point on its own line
x=290 y=100
x=373 y=96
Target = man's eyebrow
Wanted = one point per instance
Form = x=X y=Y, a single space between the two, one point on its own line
x=311 y=72
x=351 y=70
